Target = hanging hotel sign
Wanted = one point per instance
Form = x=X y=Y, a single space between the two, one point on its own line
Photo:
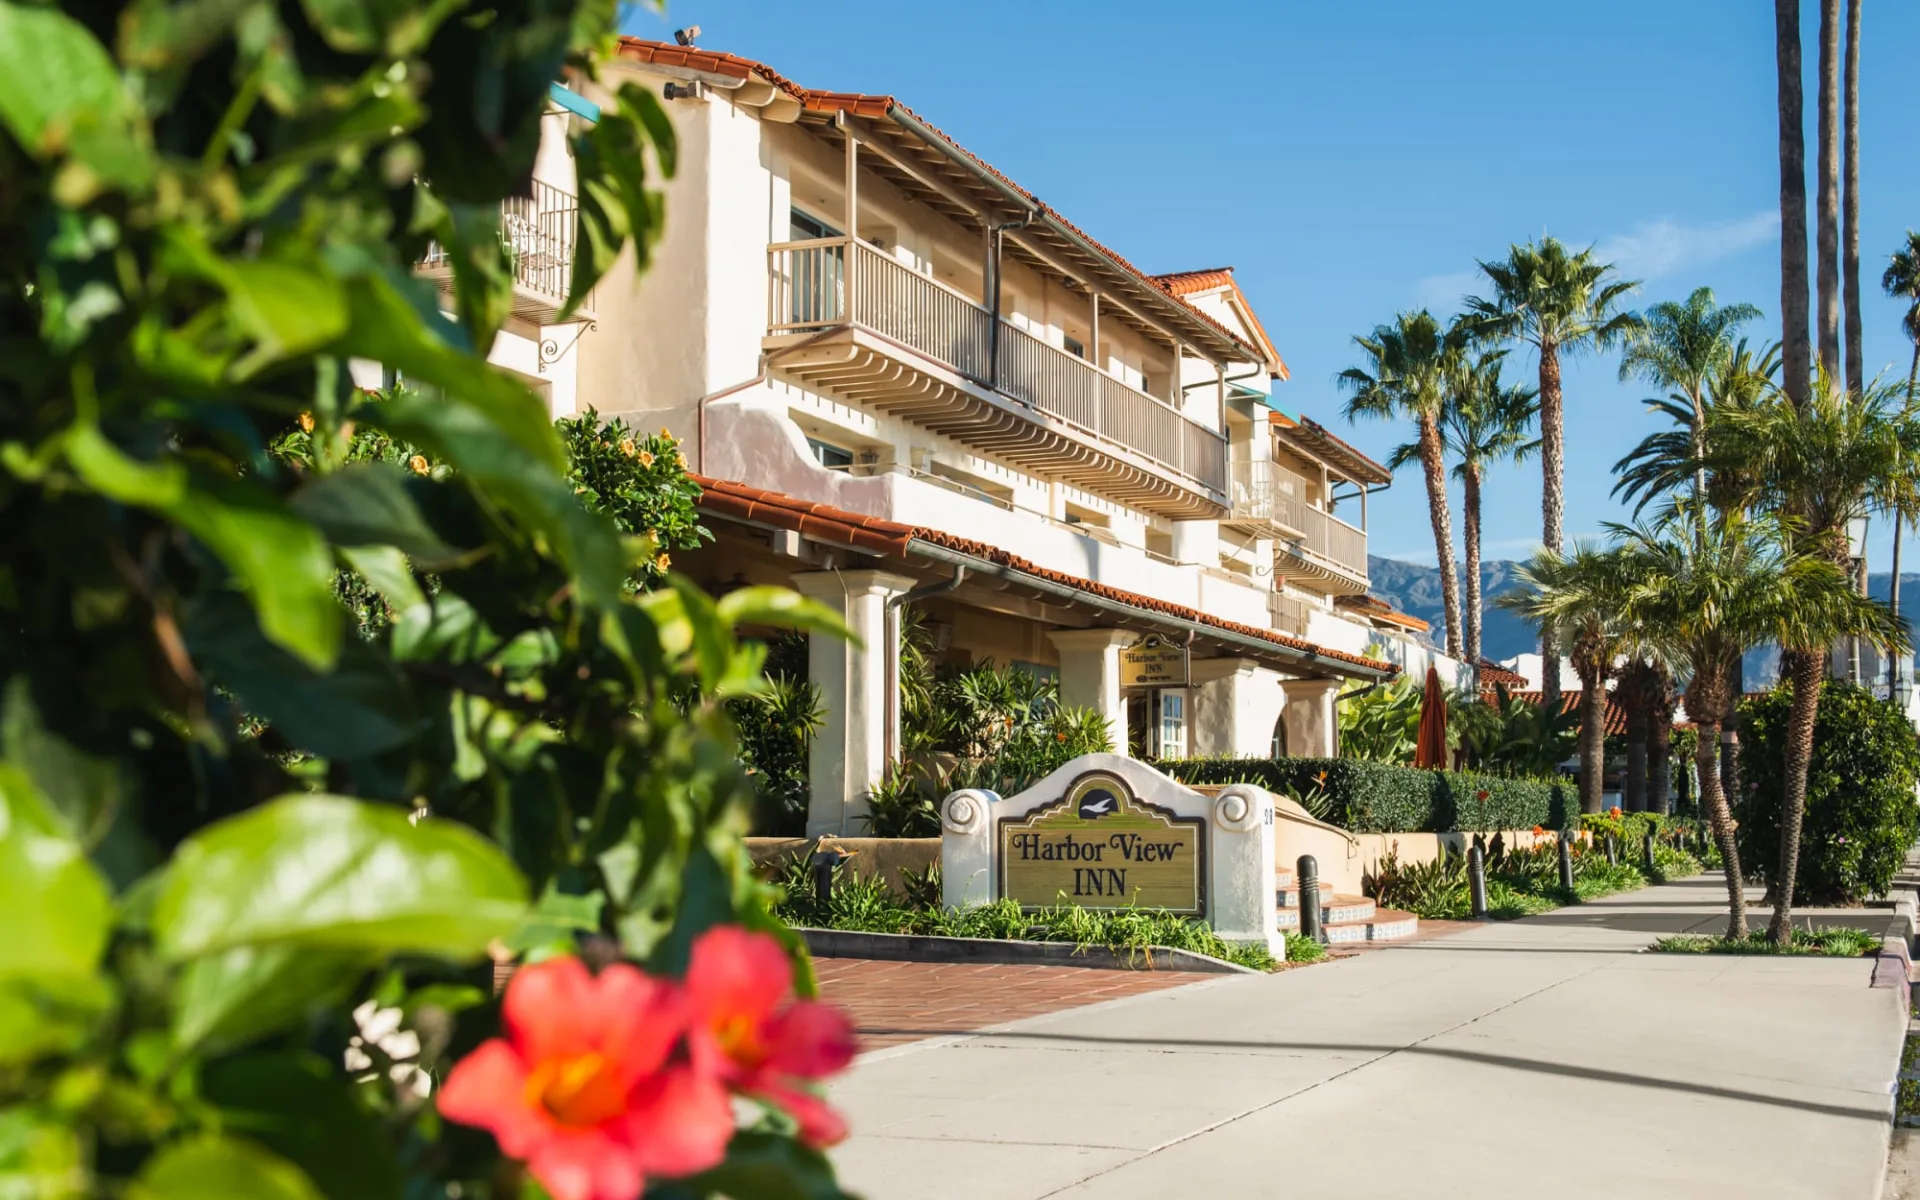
x=1154 y=662
x=1099 y=846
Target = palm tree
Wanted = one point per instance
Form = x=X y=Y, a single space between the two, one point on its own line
x=1485 y=421
x=1558 y=303
x=1827 y=233
x=1850 y=202
x=1406 y=376
x=1700 y=602
x=1645 y=692
x=1683 y=347
x=1793 y=200
x=1819 y=466
x=1672 y=461
x=1902 y=281
x=1582 y=595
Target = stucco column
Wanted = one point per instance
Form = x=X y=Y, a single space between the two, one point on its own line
x=1090 y=675
x=1313 y=728
x=857 y=684
x=1235 y=704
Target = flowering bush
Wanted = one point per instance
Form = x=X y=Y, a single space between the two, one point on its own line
x=252 y=866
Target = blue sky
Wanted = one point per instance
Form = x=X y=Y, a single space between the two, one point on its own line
x=1350 y=160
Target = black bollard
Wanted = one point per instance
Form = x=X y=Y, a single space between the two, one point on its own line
x=1613 y=852
x=823 y=863
x=1646 y=847
x=1306 y=877
x=1477 y=882
x=1566 y=862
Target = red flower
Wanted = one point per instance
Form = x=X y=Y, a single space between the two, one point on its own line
x=1614 y=812
x=586 y=1087
x=745 y=1031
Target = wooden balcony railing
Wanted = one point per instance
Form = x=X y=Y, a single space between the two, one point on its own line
x=808 y=291
x=538 y=232
x=1268 y=493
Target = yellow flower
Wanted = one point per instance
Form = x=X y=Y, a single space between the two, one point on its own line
x=663 y=562
x=646 y=458
x=419 y=464
x=626 y=447
x=306 y=422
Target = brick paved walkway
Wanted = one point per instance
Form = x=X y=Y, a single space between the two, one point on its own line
x=896 y=1002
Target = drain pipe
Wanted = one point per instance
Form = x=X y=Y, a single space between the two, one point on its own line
x=993 y=328
x=938 y=587
x=766 y=362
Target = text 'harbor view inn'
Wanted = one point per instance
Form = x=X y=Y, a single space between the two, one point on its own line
x=902 y=379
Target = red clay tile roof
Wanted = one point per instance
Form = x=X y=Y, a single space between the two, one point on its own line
x=1187 y=283
x=876 y=535
x=1570 y=702
x=1376 y=609
x=1330 y=445
x=732 y=66
x=1492 y=673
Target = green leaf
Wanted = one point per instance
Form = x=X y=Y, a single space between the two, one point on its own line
x=360 y=708
x=328 y=872
x=52 y=72
x=40 y=1155
x=236 y=995
x=783 y=608
x=768 y=1167
x=712 y=642
x=57 y=905
x=46 y=1016
x=82 y=790
x=386 y=569
x=366 y=504
x=301 y=1109
x=210 y=1167
x=553 y=922
x=289 y=308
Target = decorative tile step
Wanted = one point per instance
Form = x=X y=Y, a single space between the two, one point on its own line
x=1288 y=896
x=1343 y=910
x=1387 y=925
x=1288 y=918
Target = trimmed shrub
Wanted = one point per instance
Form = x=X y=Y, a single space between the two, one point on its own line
x=1861 y=813
x=1370 y=797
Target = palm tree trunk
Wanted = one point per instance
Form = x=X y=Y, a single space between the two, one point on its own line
x=1552 y=502
x=1593 y=739
x=1850 y=201
x=1639 y=720
x=1795 y=360
x=1804 y=668
x=1827 y=233
x=1660 y=760
x=1436 y=471
x=1699 y=472
x=1471 y=484
x=1706 y=761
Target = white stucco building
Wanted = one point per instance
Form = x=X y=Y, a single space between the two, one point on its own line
x=904 y=379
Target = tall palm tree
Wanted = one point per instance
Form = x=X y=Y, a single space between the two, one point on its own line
x=1682 y=347
x=1645 y=693
x=1827 y=232
x=1850 y=201
x=1485 y=422
x=1408 y=365
x=1560 y=303
x=1677 y=460
x=1582 y=595
x=1793 y=201
x=1701 y=602
x=1902 y=281
x=1819 y=466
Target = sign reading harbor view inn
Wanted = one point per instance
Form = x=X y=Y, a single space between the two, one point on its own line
x=1099 y=846
x=1107 y=831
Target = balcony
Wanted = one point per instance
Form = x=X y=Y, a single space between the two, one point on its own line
x=848 y=319
x=538 y=232
x=1309 y=543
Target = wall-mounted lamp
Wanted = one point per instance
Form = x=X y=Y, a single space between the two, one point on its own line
x=684 y=91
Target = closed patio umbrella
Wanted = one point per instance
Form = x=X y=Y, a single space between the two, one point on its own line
x=1430 y=751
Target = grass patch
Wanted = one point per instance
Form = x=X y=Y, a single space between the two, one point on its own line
x=869 y=906
x=1829 y=943
x=1304 y=949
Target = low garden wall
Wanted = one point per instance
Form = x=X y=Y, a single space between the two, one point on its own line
x=867 y=857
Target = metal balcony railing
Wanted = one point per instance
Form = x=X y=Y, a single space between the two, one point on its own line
x=538 y=232
x=808 y=291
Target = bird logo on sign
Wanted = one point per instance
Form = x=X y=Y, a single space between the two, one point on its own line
x=1098 y=802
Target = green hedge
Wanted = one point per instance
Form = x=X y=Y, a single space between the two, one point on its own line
x=1371 y=797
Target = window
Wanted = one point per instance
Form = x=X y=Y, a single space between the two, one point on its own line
x=1173 y=725
x=806 y=227
x=1073 y=346
x=830 y=456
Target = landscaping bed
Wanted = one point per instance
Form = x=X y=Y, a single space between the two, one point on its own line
x=1829 y=943
x=1521 y=882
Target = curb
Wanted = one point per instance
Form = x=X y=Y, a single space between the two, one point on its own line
x=1894 y=967
x=908 y=947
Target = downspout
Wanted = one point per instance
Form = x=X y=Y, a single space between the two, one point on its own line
x=766 y=361
x=993 y=328
x=936 y=588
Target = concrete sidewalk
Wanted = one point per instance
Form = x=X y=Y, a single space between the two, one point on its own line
x=1538 y=1057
